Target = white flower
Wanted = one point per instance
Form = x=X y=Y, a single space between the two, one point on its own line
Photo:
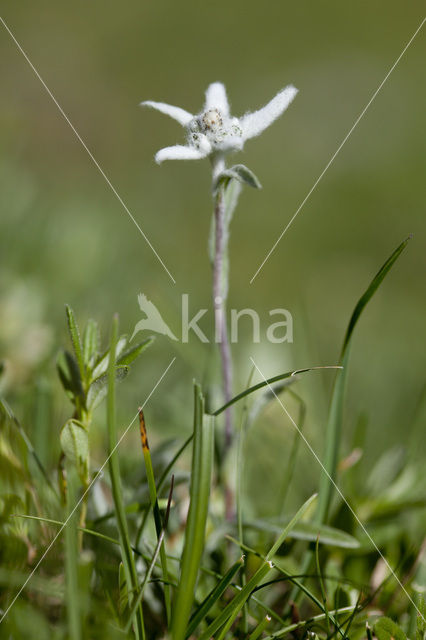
x=214 y=130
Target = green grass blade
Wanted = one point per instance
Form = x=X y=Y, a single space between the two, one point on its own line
x=138 y=600
x=299 y=585
x=202 y=460
x=71 y=563
x=371 y=290
x=231 y=611
x=90 y=532
x=156 y=510
x=239 y=489
x=321 y=581
x=334 y=424
x=335 y=416
x=292 y=458
x=298 y=625
x=260 y=628
x=117 y=493
x=14 y=420
x=212 y=598
x=266 y=383
x=273 y=550
x=161 y=483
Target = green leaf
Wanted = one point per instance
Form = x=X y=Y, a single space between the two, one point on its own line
x=128 y=356
x=385 y=470
x=103 y=361
x=75 y=444
x=387 y=629
x=91 y=343
x=75 y=339
x=70 y=376
x=242 y=174
x=309 y=531
x=232 y=193
x=202 y=461
x=99 y=387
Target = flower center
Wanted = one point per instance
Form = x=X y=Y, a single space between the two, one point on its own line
x=212 y=120
x=212 y=129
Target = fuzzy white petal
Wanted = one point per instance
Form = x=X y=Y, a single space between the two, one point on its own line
x=182 y=116
x=179 y=152
x=216 y=98
x=253 y=124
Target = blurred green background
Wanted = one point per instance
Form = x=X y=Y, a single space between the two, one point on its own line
x=64 y=237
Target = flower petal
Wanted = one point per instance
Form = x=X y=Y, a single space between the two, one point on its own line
x=179 y=152
x=182 y=116
x=253 y=124
x=216 y=98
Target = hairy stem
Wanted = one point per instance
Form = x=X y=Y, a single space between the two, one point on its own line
x=219 y=301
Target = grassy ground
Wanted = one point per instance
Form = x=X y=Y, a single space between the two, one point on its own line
x=91 y=553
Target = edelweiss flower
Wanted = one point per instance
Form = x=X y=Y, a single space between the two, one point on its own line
x=214 y=130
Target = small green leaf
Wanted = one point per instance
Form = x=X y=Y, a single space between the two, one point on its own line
x=69 y=374
x=387 y=629
x=131 y=354
x=75 y=445
x=99 y=387
x=90 y=343
x=242 y=174
x=103 y=361
x=75 y=339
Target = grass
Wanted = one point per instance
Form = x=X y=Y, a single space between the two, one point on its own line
x=162 y=560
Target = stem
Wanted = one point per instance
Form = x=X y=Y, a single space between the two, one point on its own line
x=219 y=301
x=82 y=519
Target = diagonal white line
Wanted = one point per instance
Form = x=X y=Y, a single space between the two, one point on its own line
x=338 y=490
x=46 y=551
x=90 y=154
x=333 y=157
